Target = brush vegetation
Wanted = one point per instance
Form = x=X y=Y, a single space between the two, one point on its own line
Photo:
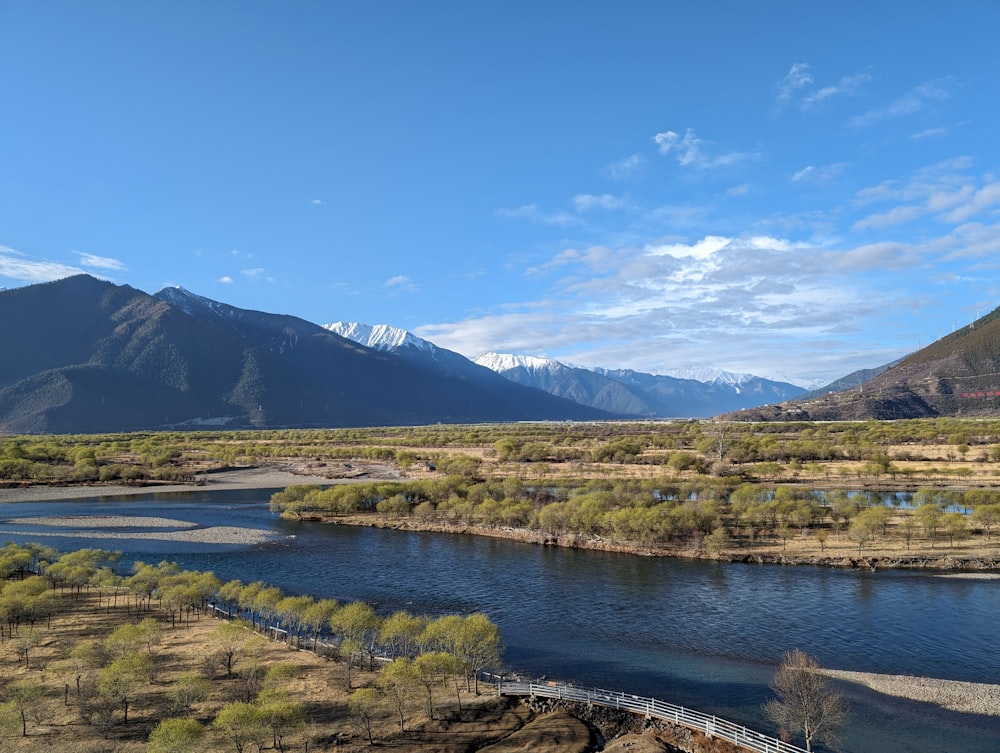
x=165 y=660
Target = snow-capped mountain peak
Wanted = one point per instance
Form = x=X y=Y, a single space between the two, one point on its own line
x=187 y=301
x=378 y=336
x=709 y=375
x=501 y=362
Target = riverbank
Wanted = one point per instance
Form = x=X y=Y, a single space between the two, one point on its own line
x=873 y=560
x=263 y=477
x=941 y=692
x=152 y=528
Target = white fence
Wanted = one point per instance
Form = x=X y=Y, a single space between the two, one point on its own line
x=712 y=726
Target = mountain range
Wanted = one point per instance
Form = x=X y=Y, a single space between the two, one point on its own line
x=620 y=392
x=82 y=355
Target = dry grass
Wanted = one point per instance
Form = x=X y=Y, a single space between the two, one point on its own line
x=55 y=723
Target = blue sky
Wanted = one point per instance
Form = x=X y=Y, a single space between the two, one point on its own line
x=791 y=189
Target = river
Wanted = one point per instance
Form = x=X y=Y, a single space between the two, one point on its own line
x=702 y=634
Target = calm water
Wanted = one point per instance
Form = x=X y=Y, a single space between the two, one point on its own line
x=706 y=635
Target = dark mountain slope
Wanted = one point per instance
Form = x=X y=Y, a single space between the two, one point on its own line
x=959 y=375
x=82 y=355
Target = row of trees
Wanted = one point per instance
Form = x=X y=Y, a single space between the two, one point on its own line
x=660 y=513
x=108 y=675
x=705 y=447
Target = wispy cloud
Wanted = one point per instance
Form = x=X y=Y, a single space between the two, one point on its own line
x=585 y=202
x=693 y=300
x=798 y=77
x=943 y=191
x=626 y=167
x=101 y=262
x=400 y=283
x=226 y=279
x=819 y=174
x=258 y=274
x=533 y=213
x=930 y=133
x=912 y=102
x=846 y=86
x=689 y=150
x=17 y=266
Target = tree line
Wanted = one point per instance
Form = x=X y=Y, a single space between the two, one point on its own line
x=717 y=514
x=414 y=655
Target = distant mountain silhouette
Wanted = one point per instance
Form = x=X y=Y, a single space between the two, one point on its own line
x=959 y=375
x=81 y=355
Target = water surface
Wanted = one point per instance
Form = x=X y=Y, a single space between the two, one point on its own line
x=703 y=634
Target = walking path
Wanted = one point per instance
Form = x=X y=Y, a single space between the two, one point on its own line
x=712 y=726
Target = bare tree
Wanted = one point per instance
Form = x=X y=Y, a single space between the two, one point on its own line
x=805 y=703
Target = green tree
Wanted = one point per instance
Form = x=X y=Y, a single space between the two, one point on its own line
x=243 y=725
x=987 y=517
x=176 y=736
x=187 y=690
x=281 y=715
x=229 y=640
x=398 y=681
x=930 y=517
x=430 y=669
x=358 y=623
x=121 y=680
x=24 y=699
x=363 y=705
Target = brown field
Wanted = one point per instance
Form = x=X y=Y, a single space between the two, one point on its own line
x=54 y=723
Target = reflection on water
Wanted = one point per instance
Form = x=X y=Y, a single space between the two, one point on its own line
x=702 y=634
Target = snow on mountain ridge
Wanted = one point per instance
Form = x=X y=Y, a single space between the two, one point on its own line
x=378 y=336
x=182 y=298
x=501 y=362
x=709 y=375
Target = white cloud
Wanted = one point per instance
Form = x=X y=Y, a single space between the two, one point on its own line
x=985 y=198
x=929 y=133
x=401 y=283
x=690 y=152
x=908 y=104
x=258 y=274
x=895 y=216
x=100 y=262
x=847 y=85
x=798 y=76
x=821 y=174
x=226 y=279
x=317 y=202
x=702 y=249
x=585 y=202
x=626 y=167
x=741 y=190
x=755 y=302
x=17 y=266
x=532 y=213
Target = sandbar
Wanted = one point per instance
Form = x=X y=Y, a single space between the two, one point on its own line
x=104 y=526
x=244 y=478
x=954 y=695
